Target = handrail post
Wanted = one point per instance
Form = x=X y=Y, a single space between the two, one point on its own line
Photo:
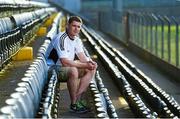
x=177 y=40
x=141 y=29
x=162 y=36
x=169 y=36
x=151 y=33
x=147 y=32
x=127 y=32
x=156 y=33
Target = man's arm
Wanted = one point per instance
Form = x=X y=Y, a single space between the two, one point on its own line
x=69 y=63
x=82 y=57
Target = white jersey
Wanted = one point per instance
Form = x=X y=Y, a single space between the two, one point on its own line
x=65 y=46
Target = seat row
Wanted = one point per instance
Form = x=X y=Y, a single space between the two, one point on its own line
x=123 y=84
x=103 y=104
x=49 y=102
x=156 y=103
x=25 y=102
x=108 y=103
x=145 y=86
x=23 y=3
x=10 y=7
x=17 y=20
x=18 y=30
x=121 y=59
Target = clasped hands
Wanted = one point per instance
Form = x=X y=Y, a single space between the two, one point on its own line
x=91 y=65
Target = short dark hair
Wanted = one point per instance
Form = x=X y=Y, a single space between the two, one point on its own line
x=74 y=18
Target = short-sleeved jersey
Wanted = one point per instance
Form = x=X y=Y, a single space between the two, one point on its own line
x=66 y=47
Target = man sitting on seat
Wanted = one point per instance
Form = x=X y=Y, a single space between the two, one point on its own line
x=67 y=44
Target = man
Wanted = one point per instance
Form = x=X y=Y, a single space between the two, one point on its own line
x=67 y=44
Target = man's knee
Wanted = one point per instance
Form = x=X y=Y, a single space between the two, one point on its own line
x=91 y=71
x=73 y=72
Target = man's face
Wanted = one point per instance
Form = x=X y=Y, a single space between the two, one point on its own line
x=74 y=28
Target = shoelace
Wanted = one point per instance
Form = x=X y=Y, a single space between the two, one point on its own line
x=82 y=103
x=79 y=105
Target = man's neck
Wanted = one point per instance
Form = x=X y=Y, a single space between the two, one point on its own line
x=70 y=36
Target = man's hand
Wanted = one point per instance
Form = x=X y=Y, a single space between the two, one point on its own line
x=91 y=65
x=92 y=62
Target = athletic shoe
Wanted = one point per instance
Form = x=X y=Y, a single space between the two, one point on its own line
x=78 y=108
x=83 y=103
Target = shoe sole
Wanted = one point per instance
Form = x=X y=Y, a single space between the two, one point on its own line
x=80 y=112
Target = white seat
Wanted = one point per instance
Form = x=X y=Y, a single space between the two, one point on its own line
x=35 y=90
x=25 y=101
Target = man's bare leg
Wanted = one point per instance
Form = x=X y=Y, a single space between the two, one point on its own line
x=84 y=82
x=72 y=84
